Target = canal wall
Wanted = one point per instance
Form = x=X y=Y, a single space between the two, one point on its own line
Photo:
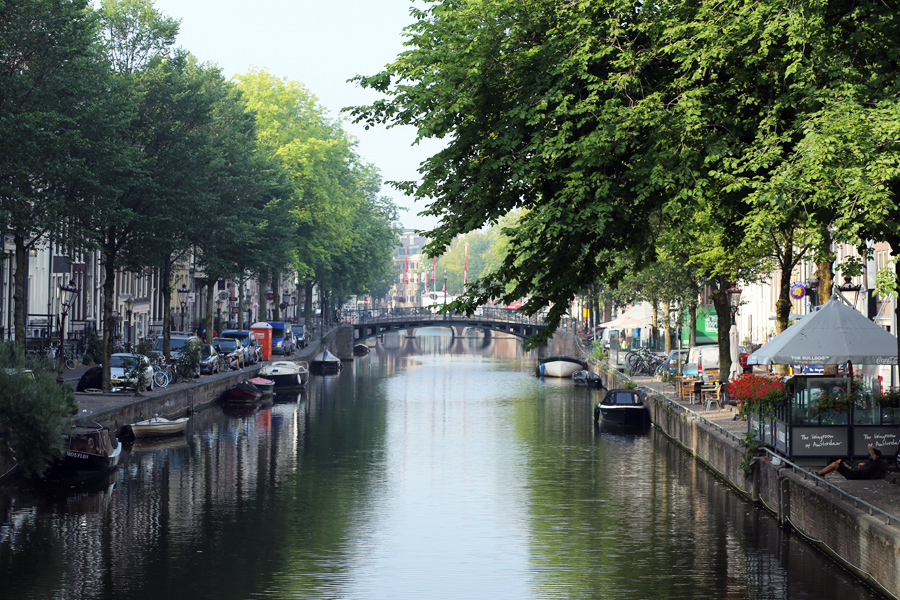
x=865 y=542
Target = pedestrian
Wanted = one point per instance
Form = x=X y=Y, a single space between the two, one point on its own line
x=871 y=468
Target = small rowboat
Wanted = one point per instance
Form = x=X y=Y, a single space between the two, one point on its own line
x=243 y=391
x=158 y=427
x=266 y=386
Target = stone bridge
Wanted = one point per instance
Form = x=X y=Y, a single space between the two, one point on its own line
x=366 y=325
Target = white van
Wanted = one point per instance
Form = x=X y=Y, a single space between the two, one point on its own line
x=705 y=356
x=611 y=334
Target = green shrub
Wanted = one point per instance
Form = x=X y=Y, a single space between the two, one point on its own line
x=35 y=412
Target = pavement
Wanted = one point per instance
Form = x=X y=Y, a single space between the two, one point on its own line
x=882 y=493
x=95 y=401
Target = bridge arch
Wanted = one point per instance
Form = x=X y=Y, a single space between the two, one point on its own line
x=513 y=324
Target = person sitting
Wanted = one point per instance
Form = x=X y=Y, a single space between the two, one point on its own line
x=872 y=468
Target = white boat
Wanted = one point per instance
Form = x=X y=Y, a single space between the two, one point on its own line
x=560 y=366
x=286 y=373
x=326 y=363
x=158 y=427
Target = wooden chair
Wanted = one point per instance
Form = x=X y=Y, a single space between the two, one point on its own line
x=712 y=395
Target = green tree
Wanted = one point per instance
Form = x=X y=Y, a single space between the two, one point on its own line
x=49 y=73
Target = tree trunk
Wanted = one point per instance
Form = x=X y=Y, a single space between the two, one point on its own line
x=667 y=327
x=723 y=314
x=307 y=303
x=692 y=325
x=166 y=278
x=109 y=290
x=825 y=271
x=19 y=303
x=783 y=304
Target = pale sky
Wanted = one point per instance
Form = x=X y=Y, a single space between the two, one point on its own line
x=321 y=44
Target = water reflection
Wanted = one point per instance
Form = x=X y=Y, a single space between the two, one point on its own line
x=438 y=468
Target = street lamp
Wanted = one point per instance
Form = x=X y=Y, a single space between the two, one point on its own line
x=182 y=299
x=812 y=287
x=68 y=293
x=848 y=286
x=285 y=298
x=218 y=326
x=445 y=287
x=294 y=306
x=248 y=296
x=129 y=306
x=734 y=299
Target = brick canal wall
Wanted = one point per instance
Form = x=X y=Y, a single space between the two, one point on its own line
x=866 y=544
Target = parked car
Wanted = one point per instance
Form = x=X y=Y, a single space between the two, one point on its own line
x=299 y=333
x=282 y=340
x=252 y=351
x=124 y=367
x=675 y=358
x=176 y=344
x=231 y=348
x=210 y=361
x=706 y=356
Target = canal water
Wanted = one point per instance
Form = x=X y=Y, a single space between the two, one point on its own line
x=431 y=468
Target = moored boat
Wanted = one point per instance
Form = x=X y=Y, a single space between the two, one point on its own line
x=559 y=366
x=90 y=447
x=242 y=391
x=263 y=384
x=585 y=378
x=326 y=363
x=286 y=373
x=625 y=407
x=360 y=350
x=158 y=427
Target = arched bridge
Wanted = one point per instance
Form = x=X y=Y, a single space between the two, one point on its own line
x=368 y=325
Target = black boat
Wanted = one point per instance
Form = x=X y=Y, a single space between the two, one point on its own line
x=90 y=447
x=585 y=378
x=326 y=363
x=622 y=406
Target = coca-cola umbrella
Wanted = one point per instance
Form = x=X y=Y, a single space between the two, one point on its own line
x=832 y=335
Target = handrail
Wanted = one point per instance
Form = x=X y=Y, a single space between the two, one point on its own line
x=487 y=314
x=856 y=501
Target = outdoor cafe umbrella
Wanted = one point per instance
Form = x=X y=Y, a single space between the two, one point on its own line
x=832 y=335
x=624 y=322
x=735 y=348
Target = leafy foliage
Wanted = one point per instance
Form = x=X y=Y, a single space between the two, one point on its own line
x=758 y=394
x=34 y=413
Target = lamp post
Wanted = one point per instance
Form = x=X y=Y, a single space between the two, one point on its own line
x=129 y=307
x=182 y=299
x=445 y=287
x=218 y=326
x=848 y=286
x=248 y=297
x=294 y=306
x=734 y=299
x=812 y=288
x=285 y=298
x=68 y=293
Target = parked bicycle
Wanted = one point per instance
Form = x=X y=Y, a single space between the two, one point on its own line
x=163 y=373
x=643 y=362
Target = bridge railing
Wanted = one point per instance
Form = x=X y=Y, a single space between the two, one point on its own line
x=494 y=314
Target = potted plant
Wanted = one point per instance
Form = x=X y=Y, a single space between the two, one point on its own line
x=888 y=401
x=757 y=394
x=833 y=408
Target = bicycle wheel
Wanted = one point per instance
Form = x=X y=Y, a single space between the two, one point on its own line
x=160 y=378
x=70 y=364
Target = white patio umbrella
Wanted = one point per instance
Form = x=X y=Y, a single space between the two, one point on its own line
x=735 y=348
x=832 y=335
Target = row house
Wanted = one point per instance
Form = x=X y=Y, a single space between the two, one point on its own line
x=64 y=289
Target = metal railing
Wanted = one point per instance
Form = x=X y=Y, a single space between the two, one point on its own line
x=496 y=315
x=777 y=459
